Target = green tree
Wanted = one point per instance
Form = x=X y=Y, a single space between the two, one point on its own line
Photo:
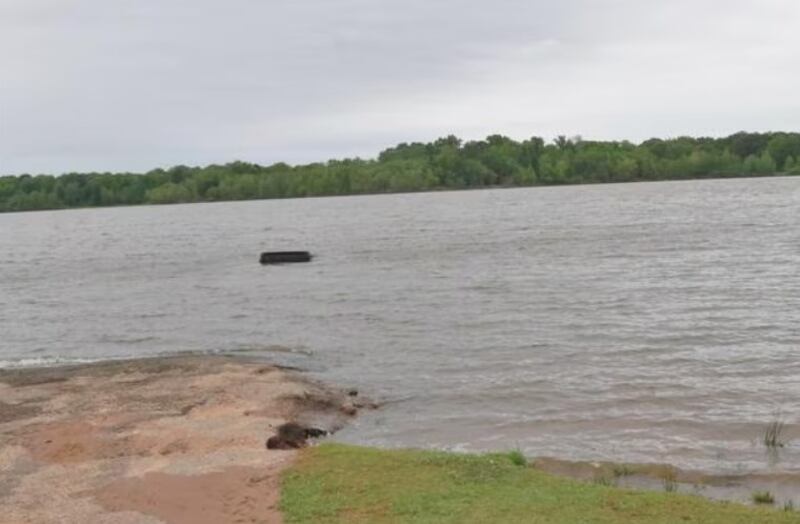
x=444 y=163
x=783 y=146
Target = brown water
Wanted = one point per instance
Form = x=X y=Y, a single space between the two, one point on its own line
x=655 y=322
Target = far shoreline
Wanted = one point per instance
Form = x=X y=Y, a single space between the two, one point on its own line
x=423 y=191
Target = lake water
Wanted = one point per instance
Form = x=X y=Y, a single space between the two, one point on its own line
x=641 y=322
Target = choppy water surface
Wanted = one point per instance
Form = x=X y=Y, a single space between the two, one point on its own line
x=639 y=322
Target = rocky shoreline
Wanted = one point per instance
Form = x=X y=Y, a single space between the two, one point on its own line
x=170 y=439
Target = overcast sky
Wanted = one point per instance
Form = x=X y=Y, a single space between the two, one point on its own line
x=136 y=84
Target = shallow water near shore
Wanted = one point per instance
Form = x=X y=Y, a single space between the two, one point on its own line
x=651 y=322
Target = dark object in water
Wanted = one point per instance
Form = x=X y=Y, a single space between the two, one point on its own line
x=293 y=436
x=284 y=257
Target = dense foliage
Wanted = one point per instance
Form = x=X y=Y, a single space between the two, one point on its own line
x=447 y=163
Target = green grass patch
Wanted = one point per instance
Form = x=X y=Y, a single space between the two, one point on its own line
x=517 y=458
x=763 y=497
x=622 y=470
x=670 y=481
x=335 y=483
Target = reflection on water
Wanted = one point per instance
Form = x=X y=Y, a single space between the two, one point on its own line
x=651 y=322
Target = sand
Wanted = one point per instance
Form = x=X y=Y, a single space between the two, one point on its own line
x=165 y=440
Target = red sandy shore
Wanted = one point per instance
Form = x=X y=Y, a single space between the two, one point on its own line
x=166 y=440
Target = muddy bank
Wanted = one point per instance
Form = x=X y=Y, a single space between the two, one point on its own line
x=176 y=440
x=785 y=487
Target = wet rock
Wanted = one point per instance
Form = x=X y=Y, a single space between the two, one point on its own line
x=349 y=409
x=277 y=442
x=293 y=436
x=315 y=433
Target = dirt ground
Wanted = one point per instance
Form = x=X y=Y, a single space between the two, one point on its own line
x=164 y=440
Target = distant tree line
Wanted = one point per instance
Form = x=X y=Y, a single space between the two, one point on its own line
x=447 y=163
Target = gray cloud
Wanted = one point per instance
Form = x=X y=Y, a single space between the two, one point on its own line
x=133 y=84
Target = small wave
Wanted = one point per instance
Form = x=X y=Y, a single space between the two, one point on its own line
x=38 y=362
x=152 y=315
x=135 y=340
x=270 y=349
x=59 y=360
